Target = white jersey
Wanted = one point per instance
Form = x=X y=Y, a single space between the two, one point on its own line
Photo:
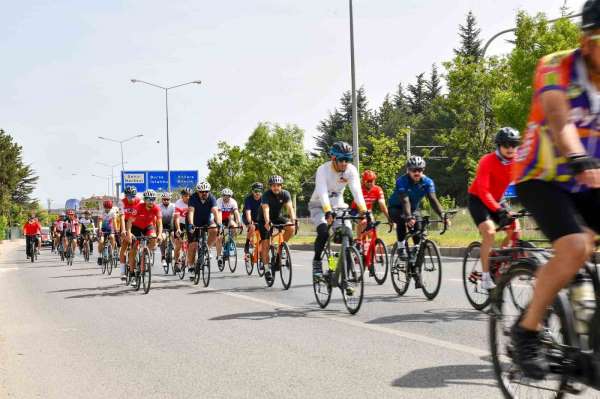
x=227 y=208
x=181 y=209
x=88 y=223
x=167 y=214
x=330 y=185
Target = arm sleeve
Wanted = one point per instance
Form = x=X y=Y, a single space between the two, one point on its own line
x=356 y=190
x=483 y=189
x=321 y=189
x=550 y=74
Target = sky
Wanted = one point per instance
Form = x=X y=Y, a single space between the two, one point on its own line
x=66 y=68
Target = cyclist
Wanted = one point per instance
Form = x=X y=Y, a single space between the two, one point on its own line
x=87 y=230
x=128 y=204
x=71 y=229
x=272 y=203
x=330 y=183
x=251 y=209
x=557 y=171
x=372 y=193
x=405 y=201
x=202 y=211
x=167 y=210
x=146 y=221
x=58 y=229
x=32 y=229
x=180 y=222
x=485 y=194
x=228 y=207
x=107 y=227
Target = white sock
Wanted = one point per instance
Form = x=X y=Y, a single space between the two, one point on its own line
x=122 y=267
x=485 y=276
x=401 y=244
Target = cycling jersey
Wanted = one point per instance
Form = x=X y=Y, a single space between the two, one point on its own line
x=72 y=226
x=145 y=217
x=58 y=225
x=371 y=196
x=275 y=202
x=538 y=158
x=128 y=207
x=330 y=185
x=253 y=205
x=491 y=180
x=181 y=209
x=167 y=215
x=87 y=225
x=227 y=208
x=107 y=221
x=414 y=190
x=202 y=209
x=32 y=228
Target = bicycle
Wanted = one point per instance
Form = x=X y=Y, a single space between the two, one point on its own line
x=86 y=247
x=169 y=252
x=570 y=334
x=143 y=266
x=183 y=252
x=499 y=262
x=253 y=256
x=421 y=262
x=347 y=271
x=69 y=253
x=374 y=253
x=107 y=263
x=229 y=249
x=202 y=266
x=280 y=257
x=61 y=250
x=30 y=248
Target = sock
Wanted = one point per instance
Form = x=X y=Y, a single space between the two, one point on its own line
x=122 y=267
x=485 y=276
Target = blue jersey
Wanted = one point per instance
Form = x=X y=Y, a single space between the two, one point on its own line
x=252 y=205
x=414 y=190
x=202 y=209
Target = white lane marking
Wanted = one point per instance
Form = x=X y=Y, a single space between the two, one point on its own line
x=8 y=269
x=385 y=330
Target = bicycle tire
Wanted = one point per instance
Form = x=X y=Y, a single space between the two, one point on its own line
x=147 y=273
x=501 y=321
x=86 y=252
x=285 y=266
x=380 y=273
x=206 y=267
x=322 y=285
x=260 y=267
x=103 y=263
x=234 y=256
x=31 y=251
x=221 y=266
x=168 y=256
x=353 y=274
x=249 y=264
x=198 y=268
x=399 y=272
x=471 y=277
x=431 y=261
x=109 y=265
x=182 y=264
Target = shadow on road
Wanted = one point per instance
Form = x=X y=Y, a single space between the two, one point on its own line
x=76 y=275
x=432 y=316
x=248 y=289
x=444 y=376
x=275 y=314
x=393 y=299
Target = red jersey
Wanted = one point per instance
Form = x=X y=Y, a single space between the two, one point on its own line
x=371 y=196
x=491 y=181
x=32 y=228
x=145 y=217
x=127 y=207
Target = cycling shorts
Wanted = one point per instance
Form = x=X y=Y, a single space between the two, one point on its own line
x=148 y=231
x=194 y=237
x=559 y=213
x=264 y=233
x=479 y=212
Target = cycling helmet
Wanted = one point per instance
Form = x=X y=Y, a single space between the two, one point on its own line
x=341 y=149
x=416 y=162
x=107 y=204
x=507 y=136
x=275 y=179
x=70 y=212
x=165 y=195
x=258 y=186
x=149 y=195
x=203 y=186
x=227 y=192
x=130 y=191
x=369 y=175
x=187 y=191
x=590 y=16
x=87 y=212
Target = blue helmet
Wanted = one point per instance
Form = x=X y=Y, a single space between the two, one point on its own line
x=342 y=150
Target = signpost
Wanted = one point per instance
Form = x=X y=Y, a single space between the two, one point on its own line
x=158 y=179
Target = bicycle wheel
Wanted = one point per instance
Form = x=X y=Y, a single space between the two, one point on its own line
x=103 y=262
x=400 y=272
x=138 y=272
x=285 y=266
x=198 y=267
x=322 y=285
x=260 y=268
x=249 y=264
x=86 y=252
x=109 y=265
x=353 y=280
x=232 y=259
x=147 y=273
x=221 y=264
x=380 y=262
x=168 y=256
x=431 y=270
x=471 y=276
x=206 y=267
x=556 y=332
x=182 y=264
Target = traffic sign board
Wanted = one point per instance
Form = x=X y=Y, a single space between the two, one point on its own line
x=135 y=178
x=184 y=178
x=157 y=179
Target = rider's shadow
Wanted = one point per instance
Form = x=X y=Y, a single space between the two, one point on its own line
x=432 y=317
x=445 y=376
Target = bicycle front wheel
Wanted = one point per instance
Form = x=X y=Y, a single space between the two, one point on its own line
x=147 y=272
x=431 y=270
x=400 y=271
x=232 y=255
x=285 y=266
x=380 y=262
x=471 y=276
x=322 y=285
x=352 y=280
x=206 y=267
x=109 y=264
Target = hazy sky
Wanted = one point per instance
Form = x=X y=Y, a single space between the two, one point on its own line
x=67 y=65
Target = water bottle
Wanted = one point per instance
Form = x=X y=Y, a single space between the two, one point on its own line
x=583 y=300
x=332 y=261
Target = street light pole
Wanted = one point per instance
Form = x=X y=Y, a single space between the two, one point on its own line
x=166 y=90
x=107 y=182
x=354 y=105
x=121 y=142
x=112 y=174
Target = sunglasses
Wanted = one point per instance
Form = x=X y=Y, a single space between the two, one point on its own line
x=257 y=191
x=166 y=200
x=344 y=159
x=416 y=170
x=509 y=145
x=202 y=192
x=149 y=200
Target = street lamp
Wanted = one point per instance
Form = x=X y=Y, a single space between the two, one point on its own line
x=353 y=78
x=107 y=181
x=166 y=89
x=121 y=142
x=112 y=174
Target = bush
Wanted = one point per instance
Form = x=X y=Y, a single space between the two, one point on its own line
x=3 y=227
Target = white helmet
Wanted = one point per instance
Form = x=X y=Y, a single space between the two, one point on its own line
x=203 y=186
x=165 y=195
x=227 y=192
x=149 y=195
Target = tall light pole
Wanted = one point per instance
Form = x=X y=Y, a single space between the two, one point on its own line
x=112 y=174
x=353 y=77
x=107 y=177
x=121 y=142
x=166 y=90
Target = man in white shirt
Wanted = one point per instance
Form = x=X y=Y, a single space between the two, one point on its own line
x=330 y=182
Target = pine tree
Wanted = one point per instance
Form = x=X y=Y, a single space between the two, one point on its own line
x=400 y=100
x=469 y=38
x=417 y=100
x=434 y=85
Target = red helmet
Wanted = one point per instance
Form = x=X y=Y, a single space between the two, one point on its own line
x=108 y=204
x=369 y=175
x=70 y=212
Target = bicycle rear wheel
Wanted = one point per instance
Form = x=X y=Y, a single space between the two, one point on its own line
x=471 y=276
x=285 y=266
x=248 y=263
x=168 y=256
x=109 y=264
x=431 y=270
x=231 y=254
x=353 y=280
x=138 y=272
x=512 y=294
x=182 y=264
x=206 y=266
x=260 y=268
x=322 y=285
x=400 y=272
x=86 y=252
x=147 y=273
x=379 y=262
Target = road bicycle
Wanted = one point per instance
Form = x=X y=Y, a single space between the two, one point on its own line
x=108 y=256
x=169 y=252
x=421 y=263
x=252 y=258
x=202 y=265
x=183 y=253
x=229 y=249
x=345 y=268
x=30 y=248
x=374 y=253
x=143 y=264
x=279 y=255
x=499 y=261
x=70 y=253
x=570 y=334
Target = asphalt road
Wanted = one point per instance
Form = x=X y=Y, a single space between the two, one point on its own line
x=75 y=333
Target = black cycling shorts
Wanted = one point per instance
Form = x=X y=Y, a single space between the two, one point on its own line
x=264 y=233
x=147 y=231
x=479 y=212
x=559 y=213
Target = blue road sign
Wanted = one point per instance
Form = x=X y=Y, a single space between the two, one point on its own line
x=158 y=180
x=511 y=192
x=184 y=178
x=136 y=178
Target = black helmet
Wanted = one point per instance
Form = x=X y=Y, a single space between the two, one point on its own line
x=257 y=186
x=275 y=179
x=187 y=190
x=415 y=162
x=507 y=136
x=590 y=16
x=341 y=149
x=130 y=191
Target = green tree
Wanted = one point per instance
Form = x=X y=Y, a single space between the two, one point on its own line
x=417 y=100
x=226 y=169
x=434 y=85
x=386 y=159
x=470 y=43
